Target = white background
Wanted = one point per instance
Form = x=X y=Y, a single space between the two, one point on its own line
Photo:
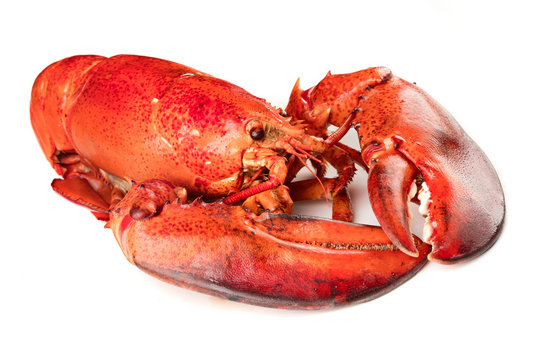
x=68 y=292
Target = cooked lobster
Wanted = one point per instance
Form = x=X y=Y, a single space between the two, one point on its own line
x=183 y=167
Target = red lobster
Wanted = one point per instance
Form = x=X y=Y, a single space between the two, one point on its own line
x=136 y=138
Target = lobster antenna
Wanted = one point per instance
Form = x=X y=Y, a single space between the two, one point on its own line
x=244 y=194
x=342 y=130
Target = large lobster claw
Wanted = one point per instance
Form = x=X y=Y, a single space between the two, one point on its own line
x=275 y=260
x=407 y=138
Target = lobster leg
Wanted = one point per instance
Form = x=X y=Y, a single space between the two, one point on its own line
x=314 y=189
x=274 y=260
x=79 y=191
x=404 y=134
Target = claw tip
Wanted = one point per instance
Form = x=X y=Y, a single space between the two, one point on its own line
x=411 y=252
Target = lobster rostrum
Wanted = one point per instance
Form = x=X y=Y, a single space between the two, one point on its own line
x=415 y=150
x=139 y=141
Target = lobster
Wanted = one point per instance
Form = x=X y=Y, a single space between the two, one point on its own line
x=181 y=165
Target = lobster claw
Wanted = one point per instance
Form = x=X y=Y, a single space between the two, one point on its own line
x=389 y=183
x=407 y=138
x=274 y=260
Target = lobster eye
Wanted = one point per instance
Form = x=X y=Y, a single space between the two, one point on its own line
x=257 y=133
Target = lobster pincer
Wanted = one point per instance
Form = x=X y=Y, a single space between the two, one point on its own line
x=275 y=260
x=413 y=149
